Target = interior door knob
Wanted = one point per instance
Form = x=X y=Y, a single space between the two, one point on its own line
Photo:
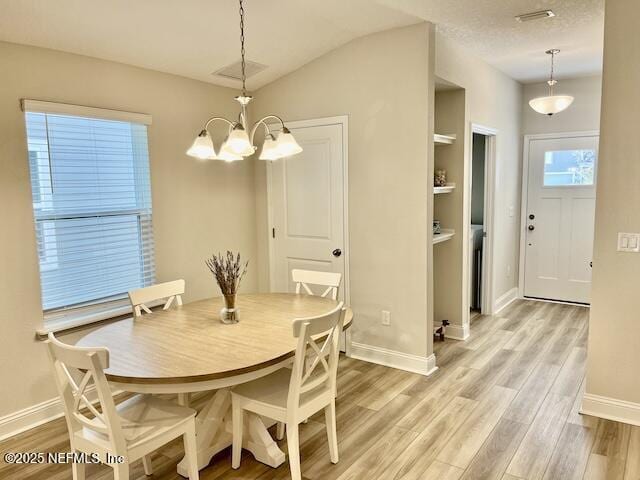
x=531 y=227
x=531 y=216
x=337 y=252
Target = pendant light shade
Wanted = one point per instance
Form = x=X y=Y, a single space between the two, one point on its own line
x=202 y=147
x=269 y=149
x=286 y=145
x=227 y=156
x=238 y=142
x=551 y=105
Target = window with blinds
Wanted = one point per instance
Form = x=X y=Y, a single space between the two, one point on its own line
x=92 y=208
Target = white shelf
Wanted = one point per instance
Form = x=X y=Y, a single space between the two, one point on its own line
x=446 y=234
x=448 y=188
x=440 y=139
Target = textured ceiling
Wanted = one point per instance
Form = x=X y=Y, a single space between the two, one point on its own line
x=193 y=38
x=488 y=28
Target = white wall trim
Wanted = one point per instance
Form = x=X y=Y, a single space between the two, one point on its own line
x=525 y=191
x=30 y=417
x=35 y=415
x=83 y=111
x=394 y=359
x=458 y=332
x=505 y=300
x=611 y=409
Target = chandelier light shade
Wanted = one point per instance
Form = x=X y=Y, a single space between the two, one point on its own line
x=286 y=145
x=240 y=140
x=269 y=149
x=202 y=147
x=551 y=104
x=238 y=143
x=227 y=156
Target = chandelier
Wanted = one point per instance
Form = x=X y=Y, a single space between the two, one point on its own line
x=551 y=103
x=238 y=143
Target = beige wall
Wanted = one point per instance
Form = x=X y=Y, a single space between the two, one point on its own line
x=614 y=330
x=381 y=82
x=582 y=115
x=198 y=207
x=493 y=100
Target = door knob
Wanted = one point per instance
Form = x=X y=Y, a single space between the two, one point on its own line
x=531 y=216
x=337 y=252
x=531 y=227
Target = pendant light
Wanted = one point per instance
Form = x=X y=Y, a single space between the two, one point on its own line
x=551 y=103
x=239 y=141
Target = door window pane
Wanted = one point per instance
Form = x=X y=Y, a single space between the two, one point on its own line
x=569 y=167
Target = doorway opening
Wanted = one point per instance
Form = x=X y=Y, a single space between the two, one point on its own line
x=480 y=221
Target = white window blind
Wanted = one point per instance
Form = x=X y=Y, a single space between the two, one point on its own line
x=92 y=208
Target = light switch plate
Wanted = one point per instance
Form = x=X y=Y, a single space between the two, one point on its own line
x=628 y=242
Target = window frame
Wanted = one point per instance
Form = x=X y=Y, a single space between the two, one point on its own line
x=73 y=316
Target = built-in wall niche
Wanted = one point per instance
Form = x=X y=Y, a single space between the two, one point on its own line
x=448 y=205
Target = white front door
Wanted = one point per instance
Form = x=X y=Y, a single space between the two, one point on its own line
x=308 y=206
x=560 y=210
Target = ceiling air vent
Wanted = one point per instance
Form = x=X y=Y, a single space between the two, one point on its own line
x=234 y=71
x=527 y=17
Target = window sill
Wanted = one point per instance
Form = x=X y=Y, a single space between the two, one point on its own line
x=81 y=319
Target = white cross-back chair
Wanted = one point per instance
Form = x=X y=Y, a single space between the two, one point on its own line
x=171 y=291
x=167 y=291
x=292 y=395
x=133 y=429
x=304 y=278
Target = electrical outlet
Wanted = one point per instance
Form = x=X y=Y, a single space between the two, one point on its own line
x=512 y=211
x=386 y=317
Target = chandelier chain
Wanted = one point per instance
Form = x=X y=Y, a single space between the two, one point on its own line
x=244 y=88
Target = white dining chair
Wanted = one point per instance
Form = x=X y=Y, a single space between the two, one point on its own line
x=168 y=291
x=304 y=278
x=292 y=395
x=131 y=430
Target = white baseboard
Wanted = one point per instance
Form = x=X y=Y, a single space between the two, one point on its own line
x=35 y=415
x=611 y=409
x=457 y=332
x=505 y=300
x=394 y=359
x=30 y=417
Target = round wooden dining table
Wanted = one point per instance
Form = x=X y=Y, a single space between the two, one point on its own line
x=187 y=349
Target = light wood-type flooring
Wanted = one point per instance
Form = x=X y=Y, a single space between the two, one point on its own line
x=503 y=405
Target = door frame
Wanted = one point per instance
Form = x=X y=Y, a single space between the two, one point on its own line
x=343 y=121
x=525 y=192
x=491 y=137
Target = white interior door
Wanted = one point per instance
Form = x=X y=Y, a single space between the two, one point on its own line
x=308 y=206
x=560 y=218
